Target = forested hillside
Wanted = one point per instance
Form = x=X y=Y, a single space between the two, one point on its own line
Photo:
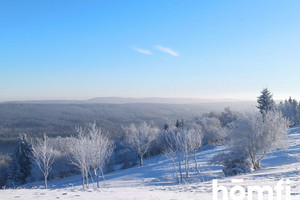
x=60 y=119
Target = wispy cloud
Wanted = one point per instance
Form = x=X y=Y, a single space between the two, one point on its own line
x=143 y=51
x=167 y=50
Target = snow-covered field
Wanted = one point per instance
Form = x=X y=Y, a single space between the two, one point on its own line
x=154 y=180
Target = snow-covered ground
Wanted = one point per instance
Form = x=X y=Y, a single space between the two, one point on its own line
x=154 y=180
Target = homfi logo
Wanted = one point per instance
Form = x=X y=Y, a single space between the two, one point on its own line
x=238 y=192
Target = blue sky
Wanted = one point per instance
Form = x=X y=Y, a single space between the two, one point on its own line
x=201 y=49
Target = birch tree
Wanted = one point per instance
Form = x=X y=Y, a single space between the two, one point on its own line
x=100 y=150
x=43 y=155
x=139 y=138
x=90 y=151
x=79 y=155
x=185 y=140
x=175 y=149
x=195 y=139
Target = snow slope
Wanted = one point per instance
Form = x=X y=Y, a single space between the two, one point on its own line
x=155 y=179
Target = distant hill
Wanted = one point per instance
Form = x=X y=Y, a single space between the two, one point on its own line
x=121 y=100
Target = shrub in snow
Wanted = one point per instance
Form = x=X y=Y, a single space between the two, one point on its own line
x=234 y=162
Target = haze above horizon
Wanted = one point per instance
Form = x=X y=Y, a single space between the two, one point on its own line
x=57 y=50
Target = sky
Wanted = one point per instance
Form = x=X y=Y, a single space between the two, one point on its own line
x=71 y=49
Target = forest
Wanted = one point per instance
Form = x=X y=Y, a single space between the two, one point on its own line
x=57 y=141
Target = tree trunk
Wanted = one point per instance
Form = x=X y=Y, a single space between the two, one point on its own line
x=96 y=174
x=87 y=179
x=256 y=162
x=180 y=170
x=175 y=174
x=102 y=176
x=196 y=162
x=253 y=160
x=91 y=175
x=46 y=185
x=257 y=165
x=141 y=161
x=187 y=166
x=82 y=174
x=259 y=160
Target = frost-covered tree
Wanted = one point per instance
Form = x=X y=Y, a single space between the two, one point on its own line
x=191 y=140
x=175 y=148
x=79 y=154
x=289 y=110
x=139 y=138
x=100 y=150
x=43 y=156
x=195 y=135
x=257 y=135
x=212 y=129
x=90 y=151
x=21 y=163
x=181 y=142
x=228 y=116
x=265 y=101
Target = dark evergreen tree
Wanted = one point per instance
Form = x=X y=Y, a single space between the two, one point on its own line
x=20 y=165
x=179 y=124
x=166 y=127
x=265 y=101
